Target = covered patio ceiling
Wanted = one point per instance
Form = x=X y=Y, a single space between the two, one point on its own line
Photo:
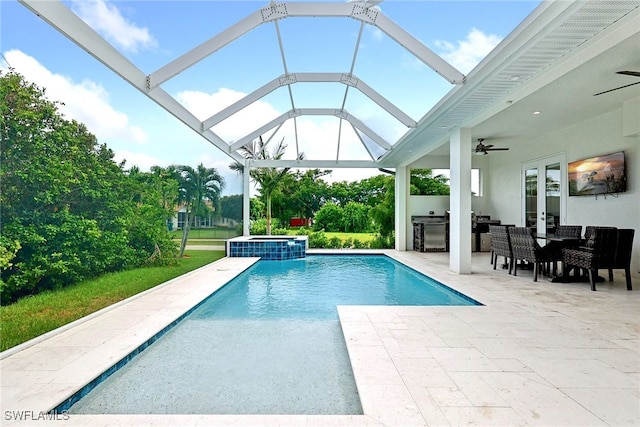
x=560 y=55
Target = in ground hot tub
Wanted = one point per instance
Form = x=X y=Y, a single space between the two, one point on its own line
x=268 y=247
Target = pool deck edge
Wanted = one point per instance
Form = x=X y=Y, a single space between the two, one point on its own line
x=536 y=353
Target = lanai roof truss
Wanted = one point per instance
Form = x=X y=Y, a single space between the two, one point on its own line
x=60 y=17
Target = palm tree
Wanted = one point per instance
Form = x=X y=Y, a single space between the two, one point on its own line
x=195 y=188
x=167 y=181
x=268 y=179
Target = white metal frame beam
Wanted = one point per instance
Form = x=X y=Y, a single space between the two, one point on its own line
x=342 y=114
x=275 y=11
x=328 y=164
x=289 y=79
x=56 y=14
x=59 y=16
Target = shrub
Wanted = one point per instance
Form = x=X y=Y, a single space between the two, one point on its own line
x=329 y=217
x=334 y=243
x=259 y=227
x=381 y=242
x=357 y=244
x=318 y=240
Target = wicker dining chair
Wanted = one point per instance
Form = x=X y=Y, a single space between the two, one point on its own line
x=571 y=231
x=563 y=231
x=500 y=245
x=526 y=248
x=597 y=253
x=622 y=259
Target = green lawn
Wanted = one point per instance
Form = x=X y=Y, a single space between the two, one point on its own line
x=207 y=233
x=33 y=316
x=363 y=237
x=206 y=242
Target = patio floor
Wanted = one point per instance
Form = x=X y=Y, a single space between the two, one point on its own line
x=539 y=354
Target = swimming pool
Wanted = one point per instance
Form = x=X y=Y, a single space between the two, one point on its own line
x=269 y=342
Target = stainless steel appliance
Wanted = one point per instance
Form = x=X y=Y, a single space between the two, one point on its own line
x=430 y=233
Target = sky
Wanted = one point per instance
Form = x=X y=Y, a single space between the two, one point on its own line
x=152 y=33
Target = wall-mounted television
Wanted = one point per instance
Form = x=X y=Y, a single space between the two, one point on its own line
x=598 y=175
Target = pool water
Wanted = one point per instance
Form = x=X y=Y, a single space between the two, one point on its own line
x=311 y=288
x=269 y=342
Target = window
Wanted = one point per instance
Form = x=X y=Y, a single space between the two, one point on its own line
x=476 y=187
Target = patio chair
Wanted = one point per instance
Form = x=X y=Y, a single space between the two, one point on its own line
x=526 y=248
x=588 y=231
x=598 y=252
x=622 y=259
x=500 y=245
x=569 y=232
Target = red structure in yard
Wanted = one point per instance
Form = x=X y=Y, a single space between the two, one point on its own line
x=300 y=222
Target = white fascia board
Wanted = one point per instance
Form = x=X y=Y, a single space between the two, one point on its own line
x=312 y=164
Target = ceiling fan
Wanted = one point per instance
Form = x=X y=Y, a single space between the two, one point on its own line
x=626 y=73
x=484 y=149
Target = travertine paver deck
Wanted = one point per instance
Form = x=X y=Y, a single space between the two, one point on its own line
x=540 y=354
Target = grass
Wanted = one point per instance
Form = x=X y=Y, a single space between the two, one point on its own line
x=207 y=233
x=209 y=242
x=33 y=316
x=363 y=237
x=216 y=236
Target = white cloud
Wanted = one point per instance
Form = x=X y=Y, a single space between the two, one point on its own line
x=106 y=19
x=318 y=135
x=204 y=105
x=142 y=160
x=87 y=102
x=468 y=53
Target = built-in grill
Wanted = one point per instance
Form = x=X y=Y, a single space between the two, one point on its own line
x=430 y=233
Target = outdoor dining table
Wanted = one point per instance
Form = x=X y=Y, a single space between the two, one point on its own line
x=556 y=244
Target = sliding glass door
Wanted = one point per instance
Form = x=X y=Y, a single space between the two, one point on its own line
x=544 y=193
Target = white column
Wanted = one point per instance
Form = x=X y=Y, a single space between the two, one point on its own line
x=245 y=200
x=460 y=202
x=401 y=197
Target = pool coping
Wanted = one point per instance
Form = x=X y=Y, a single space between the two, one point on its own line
x=42 y=375
x=34 y=382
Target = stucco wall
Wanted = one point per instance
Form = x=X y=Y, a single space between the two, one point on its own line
x=601 y=135
x=501 y=175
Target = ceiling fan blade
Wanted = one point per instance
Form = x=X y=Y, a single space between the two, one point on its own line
x=629 y=73
x=497 y=149
x=611 y=90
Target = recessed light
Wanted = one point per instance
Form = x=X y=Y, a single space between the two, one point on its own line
x=536 y=113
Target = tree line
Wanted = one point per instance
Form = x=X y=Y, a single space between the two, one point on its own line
x=69 y=212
